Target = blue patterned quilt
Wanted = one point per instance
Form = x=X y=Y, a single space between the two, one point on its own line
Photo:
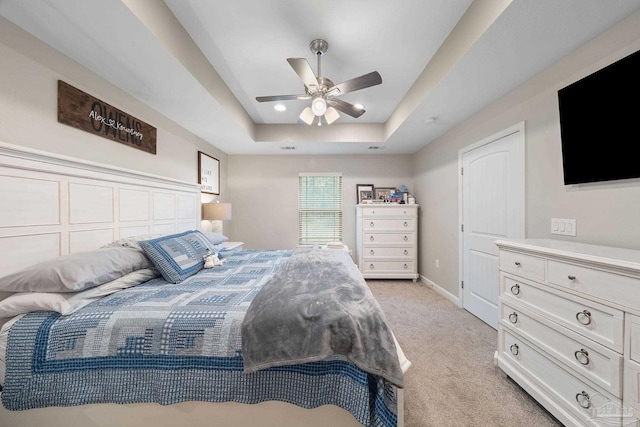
x=169 y=343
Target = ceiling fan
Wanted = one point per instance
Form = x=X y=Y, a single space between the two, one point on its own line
x=321 y=91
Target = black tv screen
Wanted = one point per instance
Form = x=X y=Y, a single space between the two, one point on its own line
x=600 y=124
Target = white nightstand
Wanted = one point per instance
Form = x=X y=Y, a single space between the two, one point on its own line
x=233 y=246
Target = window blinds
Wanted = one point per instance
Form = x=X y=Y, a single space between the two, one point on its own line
x=319 y=208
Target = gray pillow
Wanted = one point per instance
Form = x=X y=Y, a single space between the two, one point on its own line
x=75 y=272
x=215 y=238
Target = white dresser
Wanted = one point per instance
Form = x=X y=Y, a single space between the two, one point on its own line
x=569 y=330
x=387 y=241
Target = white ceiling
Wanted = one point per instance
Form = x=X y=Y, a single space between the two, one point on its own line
x=201 y=63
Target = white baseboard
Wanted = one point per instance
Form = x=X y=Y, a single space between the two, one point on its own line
x=439 y=289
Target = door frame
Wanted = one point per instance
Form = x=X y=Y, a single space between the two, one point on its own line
x=518 y=127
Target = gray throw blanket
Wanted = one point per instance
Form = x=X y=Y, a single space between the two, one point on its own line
x=317 y=306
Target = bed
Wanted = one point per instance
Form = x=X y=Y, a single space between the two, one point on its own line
x=195 y=378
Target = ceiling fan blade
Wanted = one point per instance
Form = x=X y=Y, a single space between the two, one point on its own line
x=345 y=107
x=281 y=98
x=356 y=83
x=303 y=69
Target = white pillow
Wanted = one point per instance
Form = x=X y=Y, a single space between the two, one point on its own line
x=65 y=302
x=131 y=241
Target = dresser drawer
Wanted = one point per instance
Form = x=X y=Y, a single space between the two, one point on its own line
x=633 y=323
x=397 y=211
x=389 y=267
x=385 y=238
x=523 y=265
x=594 y=361
x=632 y=363
x=598 y=322
x=611 y=287
x=389 y=252
x=372 y=224
x=582 y=398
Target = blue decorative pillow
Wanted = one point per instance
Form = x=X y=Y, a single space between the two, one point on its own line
x=178 y=256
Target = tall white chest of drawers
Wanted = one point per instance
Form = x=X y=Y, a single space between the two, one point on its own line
x=387 y=241
x=569 y=330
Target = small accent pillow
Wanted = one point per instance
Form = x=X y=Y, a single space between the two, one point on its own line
x=75 y=272
x=215 y=238
x=178 y=256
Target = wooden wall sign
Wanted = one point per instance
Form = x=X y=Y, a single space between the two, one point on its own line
x=82 y=111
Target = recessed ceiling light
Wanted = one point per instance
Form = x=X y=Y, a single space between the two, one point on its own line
x=359 y=106
x=280 y=107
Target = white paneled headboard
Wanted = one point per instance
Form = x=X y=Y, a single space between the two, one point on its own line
x=52 y=205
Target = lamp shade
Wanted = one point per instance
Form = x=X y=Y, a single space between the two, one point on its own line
x=216 y=211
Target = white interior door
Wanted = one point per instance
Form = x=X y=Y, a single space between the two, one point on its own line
x=492 y=207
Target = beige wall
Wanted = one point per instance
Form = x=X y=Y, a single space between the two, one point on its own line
x=606 y=213
x=30 y=72
x=264 y=193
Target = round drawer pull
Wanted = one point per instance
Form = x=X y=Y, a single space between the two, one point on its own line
x=570 y=277
x=404 y=212
x=583 y=399
x=373 y=212
x=406 y=238
x=513 y=317
x=371 y=267
x=372 y=223
x=515 y=289
x=371 y=238
x=582 y=356
x=584 y=317
x=514 y=349
x=406 y=224
x=406 y=252
x=517 y=263
x=371 y=252
x=406 y=266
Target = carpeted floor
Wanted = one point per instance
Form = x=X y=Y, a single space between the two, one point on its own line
x=452 y=380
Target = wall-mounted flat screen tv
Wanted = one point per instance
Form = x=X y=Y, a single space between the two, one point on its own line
x=600 y=124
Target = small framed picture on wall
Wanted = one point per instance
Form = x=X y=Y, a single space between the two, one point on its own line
x=208 y=174
x=364 y=193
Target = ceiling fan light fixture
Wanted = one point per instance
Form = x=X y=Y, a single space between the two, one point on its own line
x=319 y=106
x=307 y=116
x=331 y=115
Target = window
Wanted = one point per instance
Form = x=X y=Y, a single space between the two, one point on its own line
x=319 y=208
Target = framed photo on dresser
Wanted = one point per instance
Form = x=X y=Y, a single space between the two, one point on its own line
x=364 y=193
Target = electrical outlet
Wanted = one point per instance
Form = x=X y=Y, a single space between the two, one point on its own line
x=564 y=227
x=437 y=263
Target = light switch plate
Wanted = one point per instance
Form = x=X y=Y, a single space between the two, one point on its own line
x=565 y=227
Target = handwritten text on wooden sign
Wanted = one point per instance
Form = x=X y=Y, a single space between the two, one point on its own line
x=83 y=111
